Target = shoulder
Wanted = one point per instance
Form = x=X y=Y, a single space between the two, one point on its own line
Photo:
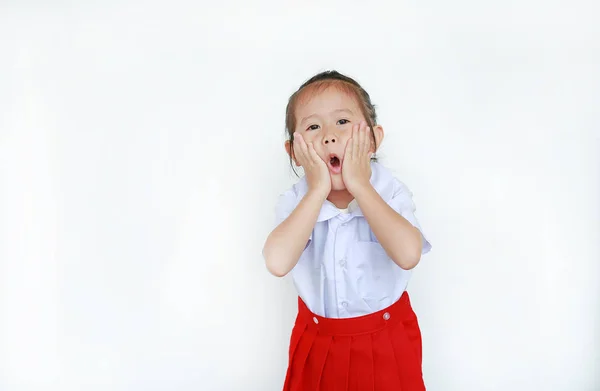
x=290 y=198
x=296 y=192
x=387 y=183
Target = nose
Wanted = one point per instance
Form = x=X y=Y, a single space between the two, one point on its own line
x=329 y=138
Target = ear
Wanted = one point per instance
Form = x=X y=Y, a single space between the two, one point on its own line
x=290 y=151
x=378 y=130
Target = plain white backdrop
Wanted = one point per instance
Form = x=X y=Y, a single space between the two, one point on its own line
x=141 y=154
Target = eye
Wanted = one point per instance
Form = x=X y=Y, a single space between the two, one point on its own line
x=313 y=127
x=343 y=121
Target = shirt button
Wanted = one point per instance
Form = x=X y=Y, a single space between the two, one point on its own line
x=343 y=262
x=344 y=304
x=315 y=320
x=386 y=316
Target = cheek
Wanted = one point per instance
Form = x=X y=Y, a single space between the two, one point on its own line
x=320 y=150
x=345 y=138
x=310 y=137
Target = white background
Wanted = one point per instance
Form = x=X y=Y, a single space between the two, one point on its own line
x=141 y=154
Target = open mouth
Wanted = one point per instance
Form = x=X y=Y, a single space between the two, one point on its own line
x=335 y=164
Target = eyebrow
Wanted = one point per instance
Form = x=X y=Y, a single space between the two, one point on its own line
x=333 y=112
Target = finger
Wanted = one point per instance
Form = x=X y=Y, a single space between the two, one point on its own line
x=348 y=149
x=300 y=148
x=358 y=146
x=371 y=143
x=356 y=142
x=350 y=144
x=300 y=140
x=367 y=142
x=312 y=154
x=363 y=132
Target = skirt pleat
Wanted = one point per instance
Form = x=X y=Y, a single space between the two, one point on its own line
x=316 y=361
x=411 y=328
x=387 y=377
x=299 y=361
x=361 y=364
x=297 y=334
x=408 y=365
x=375 y=352
x=337 y=366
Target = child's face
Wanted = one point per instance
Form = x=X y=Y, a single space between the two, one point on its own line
x=325 y=119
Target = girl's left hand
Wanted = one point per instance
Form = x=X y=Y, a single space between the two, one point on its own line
x=356 y=168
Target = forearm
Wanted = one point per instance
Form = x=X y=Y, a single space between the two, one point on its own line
x=285 y=244
x=399 y=238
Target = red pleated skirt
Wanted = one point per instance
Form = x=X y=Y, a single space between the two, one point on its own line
x=375 y=352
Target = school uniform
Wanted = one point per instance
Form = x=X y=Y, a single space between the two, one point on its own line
x=355 y=328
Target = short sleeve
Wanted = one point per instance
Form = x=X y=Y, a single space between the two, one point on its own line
x=402 y=203
x=286 y=203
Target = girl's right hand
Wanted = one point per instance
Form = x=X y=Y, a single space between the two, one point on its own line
x=315 y=169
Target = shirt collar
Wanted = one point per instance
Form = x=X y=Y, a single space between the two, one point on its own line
x=381 y=180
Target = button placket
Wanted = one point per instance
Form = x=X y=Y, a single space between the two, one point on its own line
x=340 y=261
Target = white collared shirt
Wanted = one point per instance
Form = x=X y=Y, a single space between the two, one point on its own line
x=344 y=272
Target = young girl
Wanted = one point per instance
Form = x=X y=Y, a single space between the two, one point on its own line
x=348 y=233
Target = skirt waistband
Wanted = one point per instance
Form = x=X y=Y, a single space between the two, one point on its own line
x=400 y=310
